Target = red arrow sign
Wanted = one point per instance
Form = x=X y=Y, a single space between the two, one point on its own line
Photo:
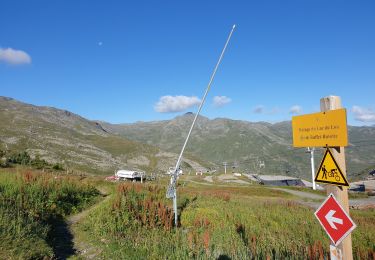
x=336 y=222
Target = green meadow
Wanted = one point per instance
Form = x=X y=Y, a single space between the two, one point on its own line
x=215 y=223
x=136 y=221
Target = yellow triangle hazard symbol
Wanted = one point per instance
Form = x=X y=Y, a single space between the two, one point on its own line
x=330 y=172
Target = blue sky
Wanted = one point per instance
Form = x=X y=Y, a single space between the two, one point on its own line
x=127 y=61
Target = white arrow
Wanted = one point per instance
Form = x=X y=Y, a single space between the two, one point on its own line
x=331 y=219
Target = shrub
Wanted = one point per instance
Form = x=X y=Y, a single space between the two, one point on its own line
x=57 y=167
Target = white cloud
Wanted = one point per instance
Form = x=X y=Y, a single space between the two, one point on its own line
x=167 y=104
x=259 y=109
x=220 y=101
x=296 y=109
x=14 y=57
x=363 y=114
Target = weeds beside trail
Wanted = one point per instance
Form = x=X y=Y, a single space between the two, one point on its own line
x=32 y=211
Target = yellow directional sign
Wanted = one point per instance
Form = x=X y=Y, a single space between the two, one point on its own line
x=320 y=129
x=330 y=172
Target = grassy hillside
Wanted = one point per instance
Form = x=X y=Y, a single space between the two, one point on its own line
x=246 y=145
x=59 y=136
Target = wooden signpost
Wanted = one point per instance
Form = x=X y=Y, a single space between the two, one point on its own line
x=329 y=129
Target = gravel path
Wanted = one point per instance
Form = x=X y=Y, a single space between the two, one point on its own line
x=302 y=194
x=353 y=203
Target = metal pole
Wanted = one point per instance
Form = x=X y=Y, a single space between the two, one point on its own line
x=176 y=169
x=313 y=167
x=311 y=151
x=175 y=205
x=204 y=97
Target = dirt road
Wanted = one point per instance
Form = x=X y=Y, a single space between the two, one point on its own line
x=353 y=203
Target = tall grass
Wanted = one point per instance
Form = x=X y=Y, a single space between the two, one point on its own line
x=364 y=235
x=29 y=202
x=133 y=207
x=258 y=228
x=136 y=223
x=214 y=223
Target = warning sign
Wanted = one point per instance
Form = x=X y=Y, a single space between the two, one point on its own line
x=330 y=172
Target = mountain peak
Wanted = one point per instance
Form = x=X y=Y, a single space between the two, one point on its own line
x=189 y=115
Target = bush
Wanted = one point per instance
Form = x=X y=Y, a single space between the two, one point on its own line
x=39 y=163
x=22 y=158
x=57 y=167
x=4 y=163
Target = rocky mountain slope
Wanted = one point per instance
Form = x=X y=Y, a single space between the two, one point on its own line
x=75 y=142
x=256 y=147
x=59 y=136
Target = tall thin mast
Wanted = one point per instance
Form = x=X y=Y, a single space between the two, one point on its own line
x=172 y=188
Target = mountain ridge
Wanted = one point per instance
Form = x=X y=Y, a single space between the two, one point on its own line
x=61 y=136
x=246 y=143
